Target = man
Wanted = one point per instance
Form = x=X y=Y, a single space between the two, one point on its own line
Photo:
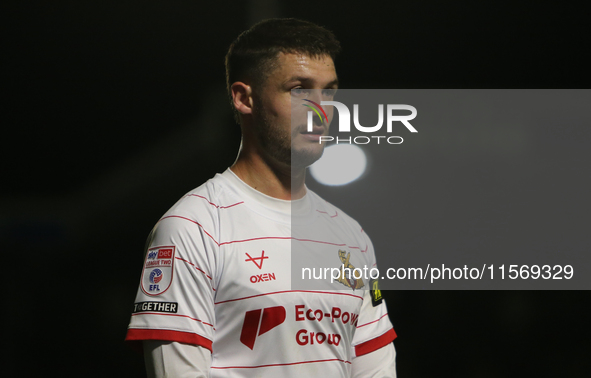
x=215 y=296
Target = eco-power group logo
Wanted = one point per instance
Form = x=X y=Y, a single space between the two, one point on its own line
x=392 y=115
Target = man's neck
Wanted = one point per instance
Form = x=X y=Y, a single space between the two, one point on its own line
x=273 y=180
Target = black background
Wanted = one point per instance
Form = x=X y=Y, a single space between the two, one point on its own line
x=99 y=98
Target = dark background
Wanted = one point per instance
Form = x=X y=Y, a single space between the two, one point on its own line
x=112 y=111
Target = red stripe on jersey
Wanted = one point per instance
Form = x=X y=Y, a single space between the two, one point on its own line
x=290 y=291
x=375 y=344
x=292 y=238
x=183 y=316
x=190 y=263
x=264 y=237
x=213 y=204
x=377 y=320
x=336 y=213
x=261 y=238
x=359 y=248
x=336 y=244
x=285 y=364
x=191 y=220
x=135 y=334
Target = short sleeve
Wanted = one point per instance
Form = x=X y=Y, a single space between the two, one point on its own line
x=176 y=293
x=374 y=329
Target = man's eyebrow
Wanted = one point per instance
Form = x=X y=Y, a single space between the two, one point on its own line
x=334 y=83
x=305 y=79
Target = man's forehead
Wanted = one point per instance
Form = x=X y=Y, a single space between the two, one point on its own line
x=299 y=67
x=303 y=61
x=304 y=58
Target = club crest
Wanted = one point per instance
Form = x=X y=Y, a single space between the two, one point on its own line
x=348 y=274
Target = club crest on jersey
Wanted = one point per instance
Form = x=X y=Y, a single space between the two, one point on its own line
x=348 y=273
x=158 y=270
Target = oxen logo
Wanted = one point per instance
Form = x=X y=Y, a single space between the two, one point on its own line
x=254 y=259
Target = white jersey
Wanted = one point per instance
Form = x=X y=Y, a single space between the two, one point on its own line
x=217 y=274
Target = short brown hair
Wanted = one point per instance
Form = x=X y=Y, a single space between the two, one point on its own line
x=251 y=56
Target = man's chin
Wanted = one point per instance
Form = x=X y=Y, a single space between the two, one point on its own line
x=302 y=158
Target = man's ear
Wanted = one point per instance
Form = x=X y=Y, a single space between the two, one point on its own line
x=242 y=97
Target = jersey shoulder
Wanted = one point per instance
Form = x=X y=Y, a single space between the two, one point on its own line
x=208 y=198
x=202 y=206
x=328 y=210
x=336 y=219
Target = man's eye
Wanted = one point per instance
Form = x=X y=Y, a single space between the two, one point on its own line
x=300 y=92
x=329 y=92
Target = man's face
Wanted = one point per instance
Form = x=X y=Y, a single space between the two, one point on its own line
x=288 y=142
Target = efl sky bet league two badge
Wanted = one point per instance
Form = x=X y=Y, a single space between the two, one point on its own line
x=158 y=270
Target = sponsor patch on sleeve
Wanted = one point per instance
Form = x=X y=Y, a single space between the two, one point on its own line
x=158 y=270
x=167 y=307
x=376 y=294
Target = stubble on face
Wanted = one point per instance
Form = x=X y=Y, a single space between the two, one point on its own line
x=275 y=145
x=277 y=139
x=278 y=145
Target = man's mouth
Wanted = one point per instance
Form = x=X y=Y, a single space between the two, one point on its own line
x=316 y=130
x=314 y=135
